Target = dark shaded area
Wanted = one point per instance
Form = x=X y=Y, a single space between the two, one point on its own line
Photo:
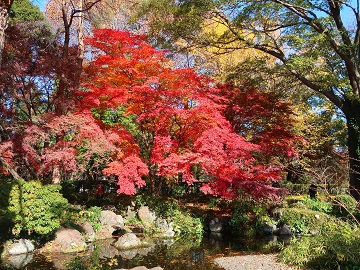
x=5 y=217
x=313 y=191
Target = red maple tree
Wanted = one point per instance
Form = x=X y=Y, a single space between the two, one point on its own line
x=182 y=114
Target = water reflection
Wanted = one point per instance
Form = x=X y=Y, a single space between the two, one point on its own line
x=168 y=254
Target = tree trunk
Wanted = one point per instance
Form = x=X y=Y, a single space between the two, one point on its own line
x=4 y=21
x=10 y=169
x=56 y=176
x=352 y=113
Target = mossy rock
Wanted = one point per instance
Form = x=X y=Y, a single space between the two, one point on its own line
x=302 y=220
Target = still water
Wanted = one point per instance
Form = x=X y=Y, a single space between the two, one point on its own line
x=168 y=254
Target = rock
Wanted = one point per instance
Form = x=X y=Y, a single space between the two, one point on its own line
x=268 y=228
x=69 y=240
x=128 y=254
x=215 y=225
x=128 y=240
x=110 y=222
x=19 y=261
x=66 y=241
x=88 y=231
x=285 y=230
x=166 y=229
x=110 y=218
x=20 y=246
x=145 y=215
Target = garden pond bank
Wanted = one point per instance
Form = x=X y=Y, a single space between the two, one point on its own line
x=172 y=254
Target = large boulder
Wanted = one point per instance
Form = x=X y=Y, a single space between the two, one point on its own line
x=67 y=240
x=127 y=241
x=110 y=222
x=146 y=215
x=268 y=229
x=285 y=230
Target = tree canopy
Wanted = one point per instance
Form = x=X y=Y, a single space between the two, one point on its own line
x=311 y=41
x=181 y=113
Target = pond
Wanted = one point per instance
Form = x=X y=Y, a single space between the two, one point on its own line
x=169 y=254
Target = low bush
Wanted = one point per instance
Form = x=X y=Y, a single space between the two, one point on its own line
x=249 y=216
x=318 y=205
x=184 y=223
x=33 y=208
x=335 y=248
x=344 y=204
x=303 y=220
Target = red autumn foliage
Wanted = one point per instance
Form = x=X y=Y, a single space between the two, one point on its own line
x=183 y=121
x=262 y=117
x=182 y=111
x=69 y=142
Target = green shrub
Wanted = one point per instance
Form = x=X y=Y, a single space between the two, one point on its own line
x=34 y=208
x=249 y=215
x=336 y=248
x=344 y=204
x=318 y=205
x=161 y=206
x=93 y=215
x=302 y=220
x=184 y=223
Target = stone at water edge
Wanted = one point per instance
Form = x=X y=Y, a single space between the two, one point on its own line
x=285 y=230
x=128 y=240
x=20 y=246
x=110 y=222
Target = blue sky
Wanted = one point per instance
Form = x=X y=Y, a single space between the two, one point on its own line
x=347 y=16
x=40 y=3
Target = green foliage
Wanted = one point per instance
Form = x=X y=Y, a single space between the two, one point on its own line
x=34 y=208
x=302 y=220
x=184 y=223
x=179 y=191
x=344 y=204
x=24 y=10
x=112 y=117
x=247 y=216
x=93 y=215
x=163 y=207
x=317 y=205
x=337 y=248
